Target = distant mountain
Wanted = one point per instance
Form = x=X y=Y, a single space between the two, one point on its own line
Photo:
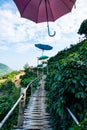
x=4 y=69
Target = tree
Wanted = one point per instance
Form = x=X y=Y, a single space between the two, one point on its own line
x=83 y=28
x=26 y=66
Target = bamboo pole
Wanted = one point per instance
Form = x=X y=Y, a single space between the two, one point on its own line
x=21 y=108
x=72 y=115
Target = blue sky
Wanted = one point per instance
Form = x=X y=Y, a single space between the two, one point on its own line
x=18 y=35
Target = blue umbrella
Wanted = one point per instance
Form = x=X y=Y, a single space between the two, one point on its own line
x=43 y=47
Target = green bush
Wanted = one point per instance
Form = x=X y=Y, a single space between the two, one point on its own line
x=9 y=96
x=66 y=86
x=25 y=79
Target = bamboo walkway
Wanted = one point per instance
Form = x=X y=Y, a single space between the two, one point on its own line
x=35 y=116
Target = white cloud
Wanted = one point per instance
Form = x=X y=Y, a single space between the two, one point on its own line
x=3 y=48
x=21 y=34
x=23 y=47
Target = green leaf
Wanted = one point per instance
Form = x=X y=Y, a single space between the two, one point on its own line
x=80 y=95
x=82 y=82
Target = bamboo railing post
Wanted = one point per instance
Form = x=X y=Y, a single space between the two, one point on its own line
x=21 y=107
x=31 y=89
x=72 y=115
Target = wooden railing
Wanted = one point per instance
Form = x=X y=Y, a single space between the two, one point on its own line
x=21 y=101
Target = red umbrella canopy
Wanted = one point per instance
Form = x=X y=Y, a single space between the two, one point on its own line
x=44 y=10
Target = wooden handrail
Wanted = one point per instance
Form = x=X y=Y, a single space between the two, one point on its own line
x=17 y=102
x=9 y=113
x=31 y=82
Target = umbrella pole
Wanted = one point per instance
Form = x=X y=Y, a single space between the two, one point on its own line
x=37 y=66
x=51 y=35
x=42 y=52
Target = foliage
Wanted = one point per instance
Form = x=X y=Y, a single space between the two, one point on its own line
x=6 y=103
x=26 y=66
x=9 y=76
x=83 y=28
x=9 y=95
x=66 y=86
x=25 y=79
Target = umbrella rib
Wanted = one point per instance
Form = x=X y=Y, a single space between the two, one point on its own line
x=51 y=10
x=73 y=2
x=38 y=11
x=25 y=7
x=66 y=5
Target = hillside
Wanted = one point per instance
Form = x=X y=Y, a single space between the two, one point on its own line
x=4 y=69
x=67 y=87
x=78 y=51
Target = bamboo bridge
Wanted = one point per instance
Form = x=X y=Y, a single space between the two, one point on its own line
x=34 y=116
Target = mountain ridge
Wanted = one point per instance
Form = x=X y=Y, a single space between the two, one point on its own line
x=4 y=69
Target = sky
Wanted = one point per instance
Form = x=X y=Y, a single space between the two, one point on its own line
x=18 y=35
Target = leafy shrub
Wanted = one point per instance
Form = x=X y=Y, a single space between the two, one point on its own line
x=25 y=79
x=66 y=86
x=9 y=96
x=83 y=28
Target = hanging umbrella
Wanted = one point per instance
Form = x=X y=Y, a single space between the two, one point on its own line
x=43 y=47
x=43 y=57
x=44 y=61
x=44 y=10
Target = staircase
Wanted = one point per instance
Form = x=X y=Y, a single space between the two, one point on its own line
x=35 y=116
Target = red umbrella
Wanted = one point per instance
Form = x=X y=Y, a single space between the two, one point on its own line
x=44 y=10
